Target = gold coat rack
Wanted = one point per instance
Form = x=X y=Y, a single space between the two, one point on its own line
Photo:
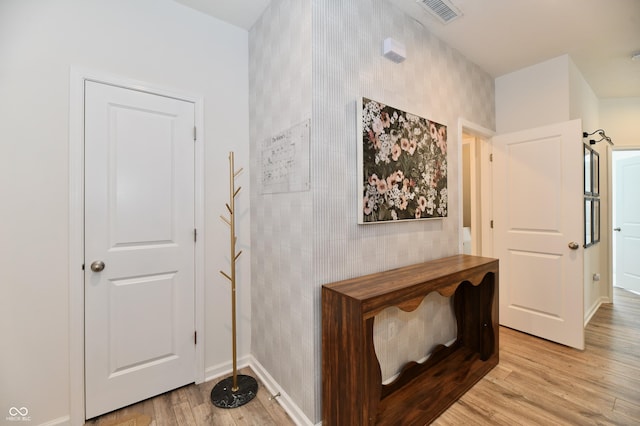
x=236 y=390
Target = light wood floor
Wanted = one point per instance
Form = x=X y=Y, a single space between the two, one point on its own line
x=191 y=405
x=536 y=383
x=542 y=383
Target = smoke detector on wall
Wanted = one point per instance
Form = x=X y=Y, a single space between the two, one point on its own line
x=394 y=50
x=443 y=10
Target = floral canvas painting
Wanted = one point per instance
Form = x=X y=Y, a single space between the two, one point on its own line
x=402 y=165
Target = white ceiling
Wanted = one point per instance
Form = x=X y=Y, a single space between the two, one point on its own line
x=502 y=36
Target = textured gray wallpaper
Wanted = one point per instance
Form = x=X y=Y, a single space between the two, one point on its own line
x=314 y=58
x=282 y=331
x=435 y=82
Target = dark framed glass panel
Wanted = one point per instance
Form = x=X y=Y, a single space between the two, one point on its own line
x=588 y=170
x=595 y=223
x=595 y=173
x=588 y=212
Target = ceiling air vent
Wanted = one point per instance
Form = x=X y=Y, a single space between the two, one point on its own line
x=444 y=10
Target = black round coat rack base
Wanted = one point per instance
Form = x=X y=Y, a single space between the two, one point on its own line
x=223 y=396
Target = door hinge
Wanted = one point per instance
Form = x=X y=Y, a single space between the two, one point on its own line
x=195 y=235
x=491 y=158
x=491 y=223
x=194 y=133
x=195 y=337
x=83 y=266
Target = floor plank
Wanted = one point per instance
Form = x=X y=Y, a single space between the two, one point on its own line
x=536 y=383
x=191 y=406
x=539 y=382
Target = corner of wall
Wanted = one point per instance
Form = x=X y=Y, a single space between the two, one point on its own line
x=533 y=96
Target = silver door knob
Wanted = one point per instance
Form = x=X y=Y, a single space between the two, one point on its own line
x=617 y=229
x=573 y=245
x=97 y=266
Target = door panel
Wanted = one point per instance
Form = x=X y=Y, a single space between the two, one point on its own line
x=628 y=220
x=534 y=170
x=142 y=190
x=139 y=221
x=537 y=213
x=147 y=342
x=532 y=271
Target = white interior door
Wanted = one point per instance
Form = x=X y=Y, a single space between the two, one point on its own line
x=538 y=203
x=627 y=223
x=139 y=221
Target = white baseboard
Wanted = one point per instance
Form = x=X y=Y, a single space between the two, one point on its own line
x=594 y=308
x=296 y=414
x=211 y=373
x=66 y=420
x=225 y=368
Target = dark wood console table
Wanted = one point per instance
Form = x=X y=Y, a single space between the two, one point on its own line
x=352 y=389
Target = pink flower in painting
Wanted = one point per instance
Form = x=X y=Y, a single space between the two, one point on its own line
x=403 y=202
x=395 y=152
x=442 y=140
x=367 y=207
x=385 y=120
x=391 y=180
x=412 y=146
x=395 y=177
x=433 y=131
x=382 y=186
x=422 y=203
x=373 y=179
x=405 y=185
x=374 y=140
x=404 y=144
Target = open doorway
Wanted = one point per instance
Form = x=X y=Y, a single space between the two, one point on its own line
x=471 y=202
x=625 y=174
x=475 y=190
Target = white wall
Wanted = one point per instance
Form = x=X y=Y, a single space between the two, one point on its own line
x=533 y=96
x=584 y=104
x=620 y=117
x=156 y=41
x=551 y=92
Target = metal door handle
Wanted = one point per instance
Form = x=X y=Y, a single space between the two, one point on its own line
x=617 y=229
x=97 y=266
x=573 y=245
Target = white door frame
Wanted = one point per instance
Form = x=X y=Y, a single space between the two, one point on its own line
x=611 y=219
x=76 y=225
x=468 y=127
